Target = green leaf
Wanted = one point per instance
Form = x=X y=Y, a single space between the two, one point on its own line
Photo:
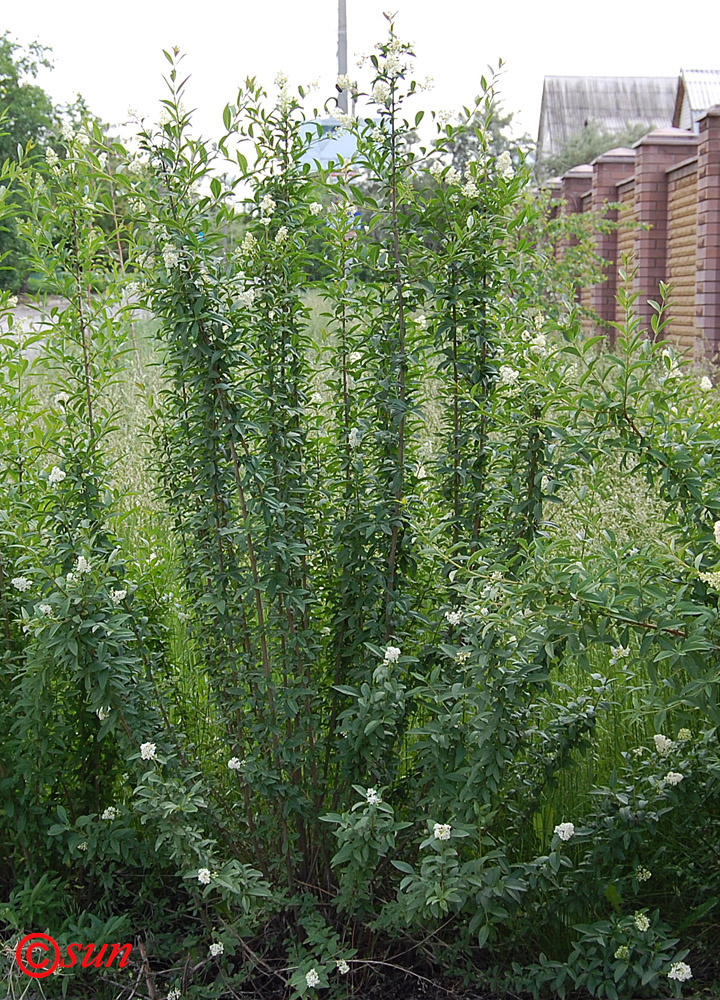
x=403 y=866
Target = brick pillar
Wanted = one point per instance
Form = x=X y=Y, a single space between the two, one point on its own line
x=553 y=188
x=574 y=184
x=707 y=294
x=656 y=151
x=608 y=170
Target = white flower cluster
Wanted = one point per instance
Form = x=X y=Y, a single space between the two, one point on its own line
x=680 y=971
x=684 y=734
x=372 y=797
x=281 y=235
x=618 y=653
x=203 y=876
x=11 y=302
x=454 y=617
x=315 y=208
x=673 y=778
x=452 y=176
x=642 y=874
x=103 y=713
x=312 y=978
x=345 y=121
x=110 y=813
x=267 y=205
x=469 y=189
x=53 y=160
x=171 y=257
x=508 y=376
x=247 y=297
x=174 y=994
x=462 y=656
x=82 y=565
x=148 y=751
x=392 y=654
x=21 y=583
x=118 y=596
x=642 y=922
x=55 y=476
x=45 y=609
x=442 y=831
x=382 y=93
x=565 y=830
x=217 y=948
x=504 y=165
x=354 y=438
x=249 y=244
x=663 y=745
x=538 y=344
x=342 y=966
x=712 y=579
x=705 y=384
x=235 y=764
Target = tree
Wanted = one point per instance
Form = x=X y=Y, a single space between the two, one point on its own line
x=488 y=121
x=30 y=118
x=31 y=114
x=586 y=145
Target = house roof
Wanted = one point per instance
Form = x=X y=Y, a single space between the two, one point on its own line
x=697 y=90
x=569 y=103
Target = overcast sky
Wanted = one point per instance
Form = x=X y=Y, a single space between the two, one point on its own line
x=112 y=53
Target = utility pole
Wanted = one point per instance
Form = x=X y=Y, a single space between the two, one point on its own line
x=342 y=51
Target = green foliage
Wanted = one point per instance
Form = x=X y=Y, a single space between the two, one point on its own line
x=30 y=112
x=591 y=142
x=28 y=116
x=484 y=129
x=373 y=677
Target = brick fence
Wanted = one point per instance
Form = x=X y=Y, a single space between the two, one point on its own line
x=670 y=182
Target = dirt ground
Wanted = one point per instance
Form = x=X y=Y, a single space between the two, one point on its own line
x=32 y=312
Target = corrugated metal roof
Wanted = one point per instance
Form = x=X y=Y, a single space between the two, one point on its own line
x=702 y=87
x=698 y=90
x=569 y=103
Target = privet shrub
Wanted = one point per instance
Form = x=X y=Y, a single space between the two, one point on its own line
x=389 y=693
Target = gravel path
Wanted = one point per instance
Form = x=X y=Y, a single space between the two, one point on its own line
x=33 y=312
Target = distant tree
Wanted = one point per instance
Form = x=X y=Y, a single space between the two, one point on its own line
x=488 y=120
x=31 y=113
x=30 y=117
x=586 y=145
